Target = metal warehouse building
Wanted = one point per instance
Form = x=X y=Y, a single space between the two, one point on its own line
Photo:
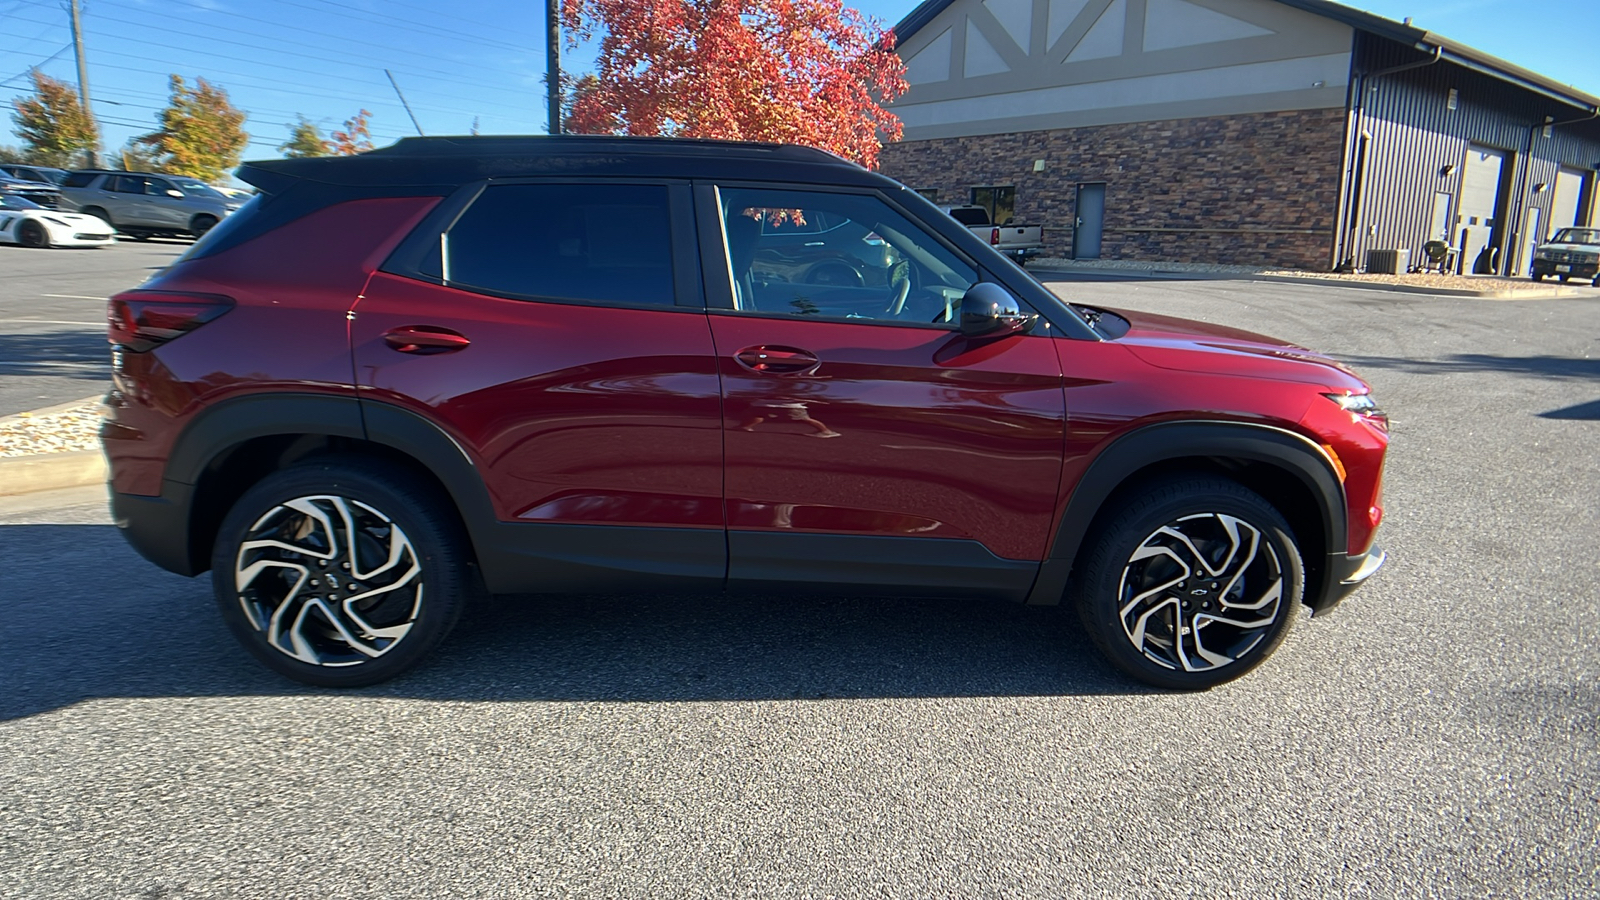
x=1294 y=133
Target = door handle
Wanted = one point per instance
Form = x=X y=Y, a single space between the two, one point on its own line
x=777 y=360
x=425 y=340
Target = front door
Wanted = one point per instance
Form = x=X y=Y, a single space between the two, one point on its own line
x=868 y=443
x=553 y=335
x=1090 y=223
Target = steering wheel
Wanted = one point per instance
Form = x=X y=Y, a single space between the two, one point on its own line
x=900 y=280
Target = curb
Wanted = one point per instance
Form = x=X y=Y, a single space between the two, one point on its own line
x=51 y=471
x=1549 y=293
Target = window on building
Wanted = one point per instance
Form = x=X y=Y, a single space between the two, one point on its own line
x=586 y=242
x=999 y=200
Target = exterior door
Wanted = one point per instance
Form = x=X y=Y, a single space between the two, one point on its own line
x=163 y=209
x=1569 y=188
x=551 y=333
x=868 y=443
x=1090 y=223
x=1532 y=237
x=1480 y=207
x=124 y=200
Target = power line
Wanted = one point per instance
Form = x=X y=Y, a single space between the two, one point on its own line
x=440 y=76
x=29 y=70
x=424 y=28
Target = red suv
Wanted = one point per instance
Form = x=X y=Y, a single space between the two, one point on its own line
x=395 y=382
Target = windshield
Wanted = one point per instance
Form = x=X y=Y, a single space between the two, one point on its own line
x=8 y=201
x=198 y=188
x=1578 y=236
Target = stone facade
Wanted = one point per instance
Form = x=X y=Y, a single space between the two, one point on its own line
x=1258 y=189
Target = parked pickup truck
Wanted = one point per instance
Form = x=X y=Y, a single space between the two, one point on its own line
x=1020 y=242
x=1572 y=253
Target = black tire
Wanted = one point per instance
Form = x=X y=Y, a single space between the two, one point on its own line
x=393 y=520
x=1536 y=275
x=1150 y=640
x=32 y=234
x=201 y=225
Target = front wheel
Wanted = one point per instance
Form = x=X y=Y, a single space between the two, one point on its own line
x=341 y=572
x=32 y=234
x=1194 y=583
x=201 y=225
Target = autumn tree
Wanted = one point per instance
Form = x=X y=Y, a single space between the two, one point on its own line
x=794 y=71
x=354 y=138
x=52 y=123
x=136 y=157
x=305 y=140
x=201 y=133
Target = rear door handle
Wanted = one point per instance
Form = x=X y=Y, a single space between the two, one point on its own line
x=777 y=360
x=425 y=340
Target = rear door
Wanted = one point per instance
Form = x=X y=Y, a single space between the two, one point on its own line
x=555 y=331
x=870 y=445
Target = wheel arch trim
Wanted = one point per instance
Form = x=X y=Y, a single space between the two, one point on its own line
x=1150 y=445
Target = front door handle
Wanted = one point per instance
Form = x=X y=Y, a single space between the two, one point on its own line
x=425 y=339
x=777 y=360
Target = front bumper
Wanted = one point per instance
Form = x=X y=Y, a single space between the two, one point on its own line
x=1345 y=572
x=1580 y=271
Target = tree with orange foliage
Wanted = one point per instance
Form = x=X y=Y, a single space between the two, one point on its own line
x=354 y=138
x=789 y=71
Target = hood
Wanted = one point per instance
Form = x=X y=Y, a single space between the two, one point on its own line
x=1185 y=345
x=1570 y=248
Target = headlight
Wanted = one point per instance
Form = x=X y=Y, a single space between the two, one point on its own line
x=1541 y=254
x=1587 y=259
x=1361 y=406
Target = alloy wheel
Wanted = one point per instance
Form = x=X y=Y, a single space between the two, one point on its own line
x=328 y=580
x=1201 y=592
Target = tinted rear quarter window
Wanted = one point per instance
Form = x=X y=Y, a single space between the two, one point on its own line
x=79 y=179
x=597 y=243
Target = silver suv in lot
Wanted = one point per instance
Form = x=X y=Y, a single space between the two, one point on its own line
x=143 y=205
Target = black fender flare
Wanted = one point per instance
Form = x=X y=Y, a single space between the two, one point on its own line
x=1281 y=448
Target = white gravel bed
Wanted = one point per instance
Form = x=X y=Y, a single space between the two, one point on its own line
x=55 y=431
x=1485 y=283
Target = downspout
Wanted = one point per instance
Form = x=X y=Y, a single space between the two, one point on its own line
x=1351 y=213
x=1523 y=200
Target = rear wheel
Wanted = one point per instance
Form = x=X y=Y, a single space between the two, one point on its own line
x=341 y=572
x=32 y=234
x=1194 y=583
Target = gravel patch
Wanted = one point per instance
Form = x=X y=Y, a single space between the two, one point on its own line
x=57 y=430
x=1484 y=283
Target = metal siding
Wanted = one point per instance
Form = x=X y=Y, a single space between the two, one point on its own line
x=1414 y=136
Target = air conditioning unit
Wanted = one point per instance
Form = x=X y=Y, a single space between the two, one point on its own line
x=1388 y=262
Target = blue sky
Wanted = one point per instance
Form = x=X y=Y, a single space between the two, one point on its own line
x=484 y=59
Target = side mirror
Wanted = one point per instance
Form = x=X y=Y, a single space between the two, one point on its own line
x=173 y=192
x=989 y=310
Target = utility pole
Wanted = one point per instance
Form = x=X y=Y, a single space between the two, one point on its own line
x=552 y=74
x=403 y=102
x=83 y=80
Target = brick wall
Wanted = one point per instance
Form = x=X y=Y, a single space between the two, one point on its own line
x=1258 y=189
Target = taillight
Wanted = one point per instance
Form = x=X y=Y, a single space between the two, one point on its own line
x=140 y=320
x=994 y=237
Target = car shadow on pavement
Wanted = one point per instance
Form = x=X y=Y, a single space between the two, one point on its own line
x=1583 y=412
x=64 y=354
x=1558 y=367
x=82 y=618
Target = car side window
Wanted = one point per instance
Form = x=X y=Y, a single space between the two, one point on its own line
x=591 y=243
x=837 y=255
x=126 y=184
x=157 y=186
x=78 y=179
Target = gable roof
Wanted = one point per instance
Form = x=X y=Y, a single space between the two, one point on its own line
x=1400 y=32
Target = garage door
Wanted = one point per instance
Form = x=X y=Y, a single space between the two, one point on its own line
x=1480 y=202
x=1569 y=188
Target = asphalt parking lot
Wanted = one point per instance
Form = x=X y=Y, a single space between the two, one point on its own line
x=53 y=317
x=1436 y=736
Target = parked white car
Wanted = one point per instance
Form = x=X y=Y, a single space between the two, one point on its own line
x=31 y=225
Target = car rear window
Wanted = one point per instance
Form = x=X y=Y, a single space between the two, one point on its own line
x=595 y=243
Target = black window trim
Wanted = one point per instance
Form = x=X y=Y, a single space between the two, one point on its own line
x=407 y=258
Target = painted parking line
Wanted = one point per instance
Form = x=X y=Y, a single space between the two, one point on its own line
x=72 y=296
x=98 y=324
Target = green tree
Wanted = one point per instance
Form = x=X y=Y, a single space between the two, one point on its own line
x=201 y=133
x=305 y=140
x=52 y=123
x=354 y=138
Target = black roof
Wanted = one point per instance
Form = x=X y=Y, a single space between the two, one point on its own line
x=442 y=163
x=1400 y=32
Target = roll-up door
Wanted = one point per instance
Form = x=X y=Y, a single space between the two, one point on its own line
x=1569 y=187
